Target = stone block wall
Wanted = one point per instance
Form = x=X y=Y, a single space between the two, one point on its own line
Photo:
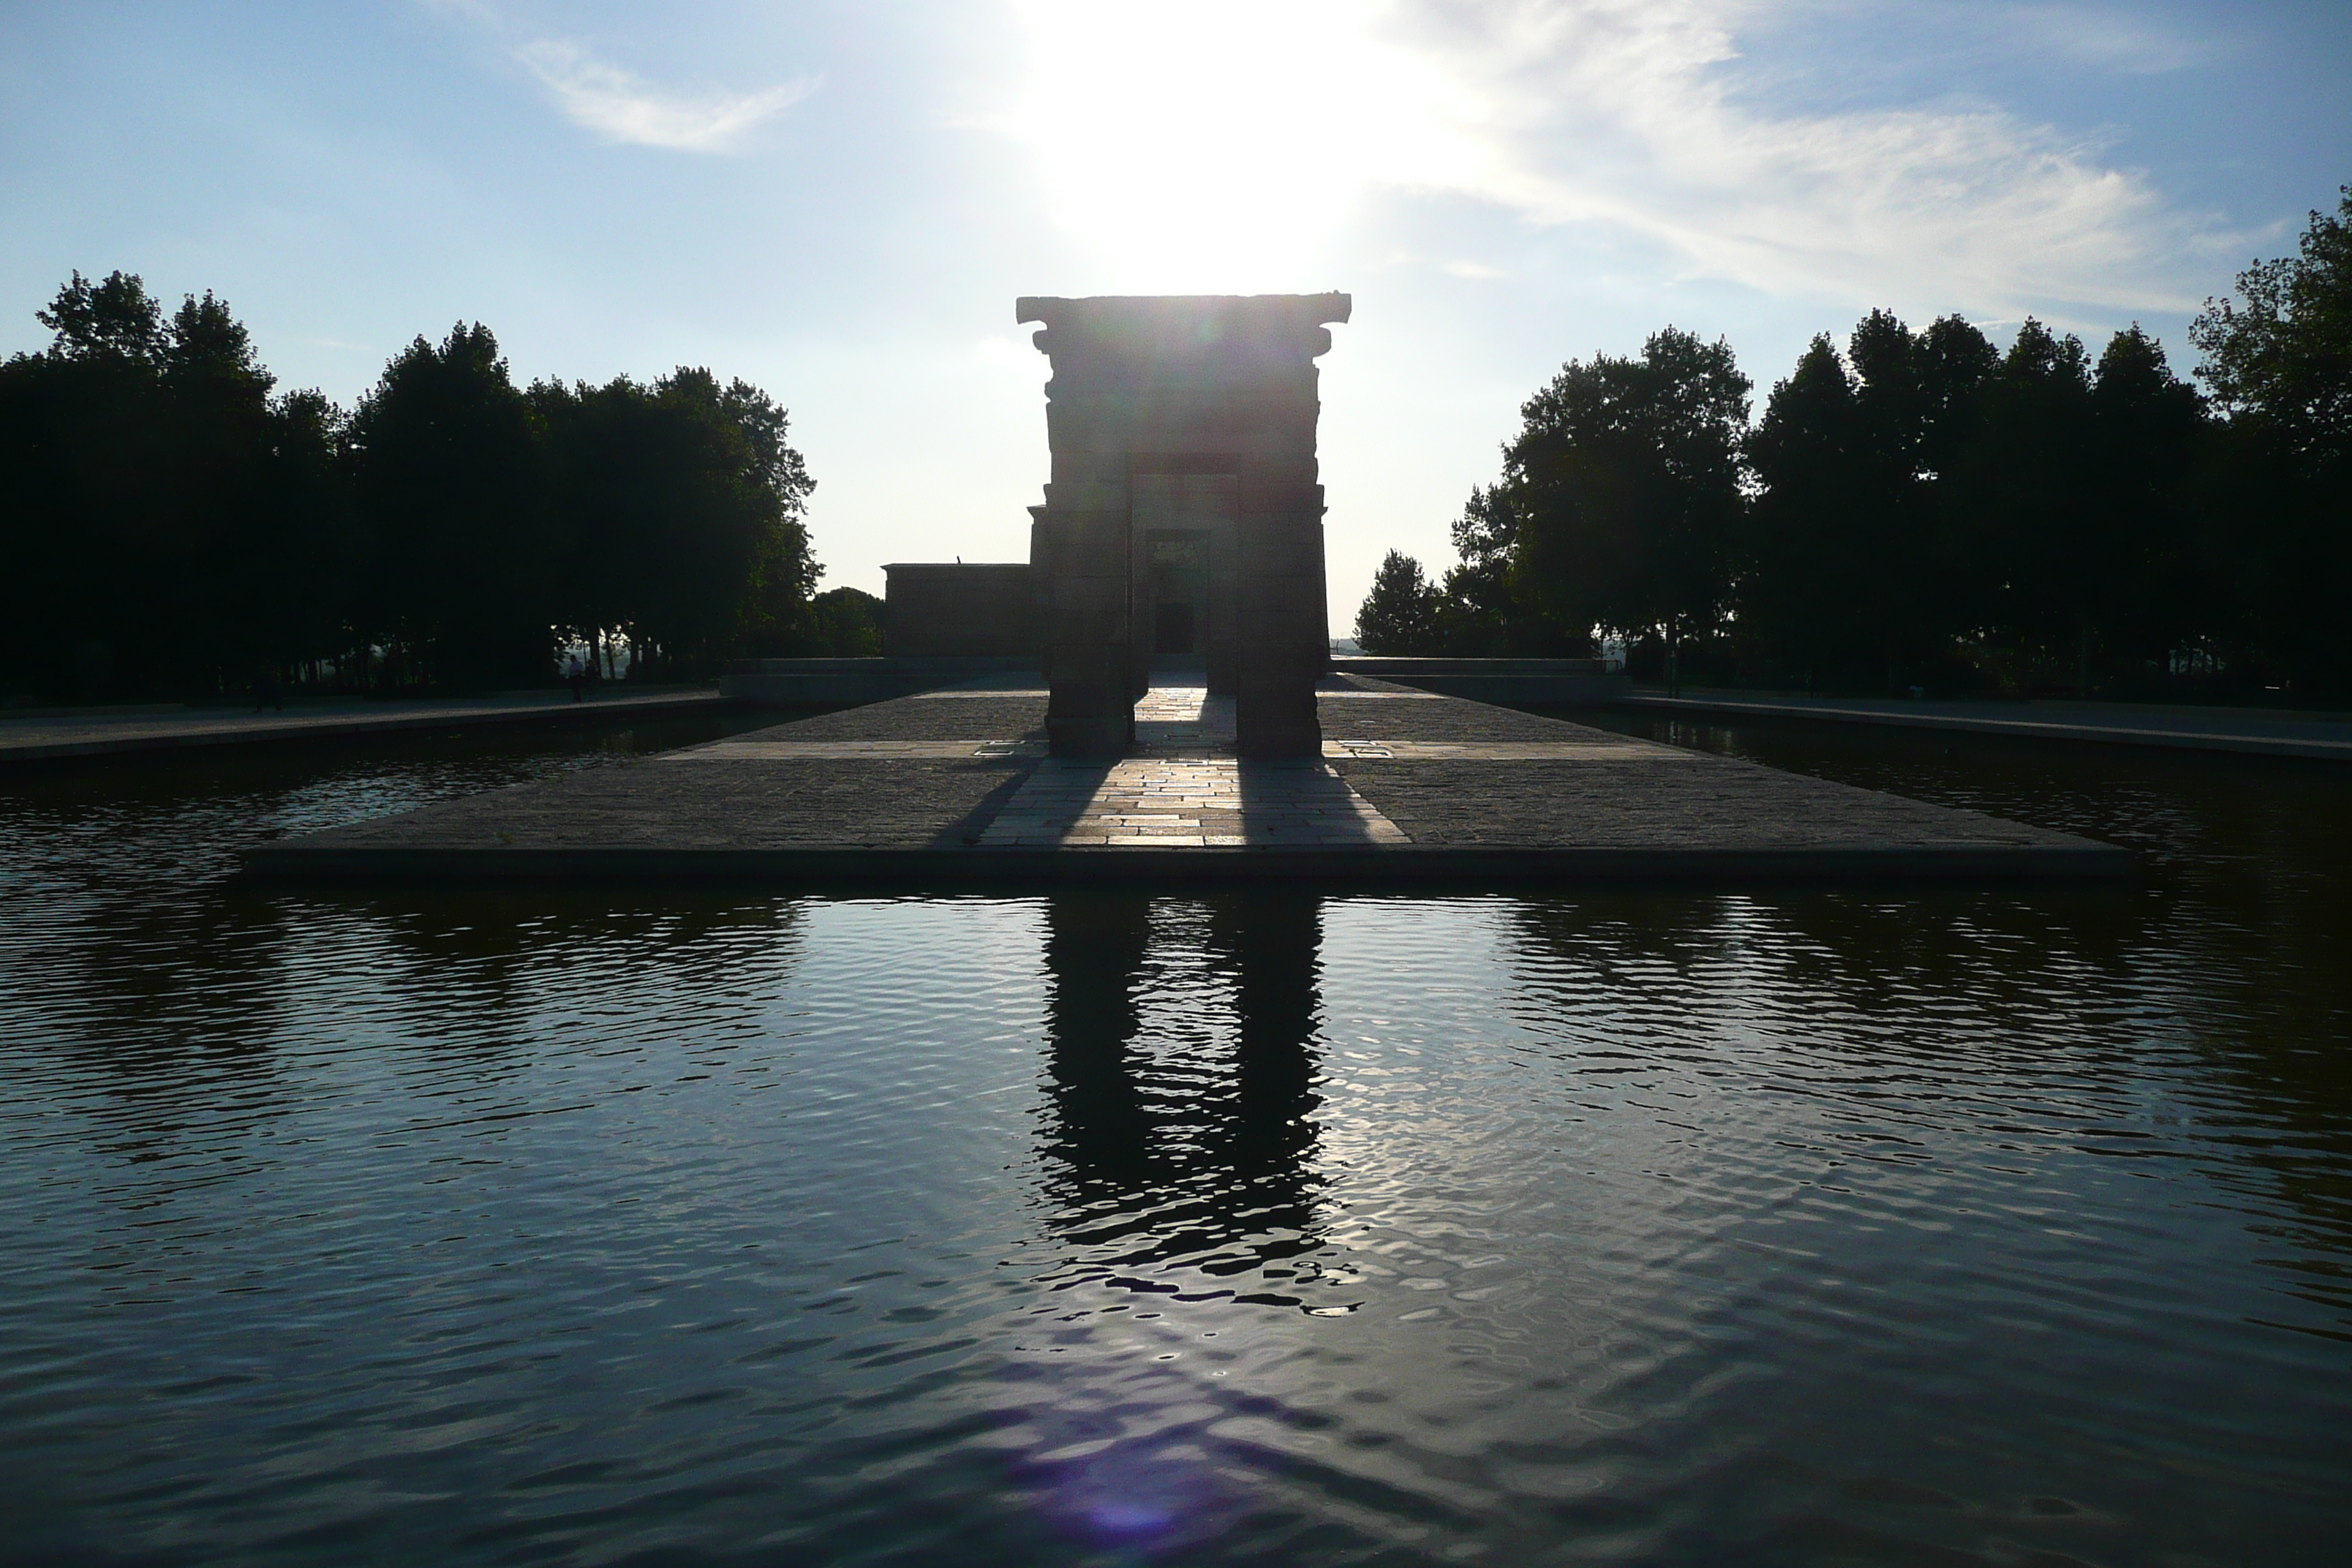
x=937 y=610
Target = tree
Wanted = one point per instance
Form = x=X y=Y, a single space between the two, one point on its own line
x=1625 y=482
x=679 y=506
x=1400 y=615
x=144 y=470
x=845 y=623
x=1805 y=561
x=1849 y=574
x=2151 y=593
x=2279 y=362
x=115 y=319
x=2019 y=506
x=2283 y=358
x=460 y=555
x=172 y=525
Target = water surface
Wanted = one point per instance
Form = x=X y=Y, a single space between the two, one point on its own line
x=660 y=1225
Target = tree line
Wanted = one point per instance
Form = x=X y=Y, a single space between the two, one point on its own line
x=1923 y=510
x=176 y=527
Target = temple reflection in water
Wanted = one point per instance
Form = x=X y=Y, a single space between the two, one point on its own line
x=1179 y=1133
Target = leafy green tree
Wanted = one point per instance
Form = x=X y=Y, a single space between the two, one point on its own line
x=2281 y=355
x=115 y=319
x=1624 y=481
x=2019 y=505
x=2151 y=592
x=679 y=508
x=170 y=524
x=1848 y=573
x=1400 y=615
x=460 y=556
x=224 y=606
x=845 y=623
x=145 y=470
x=83 y=507
x=1805 y=559
x=2279 y=362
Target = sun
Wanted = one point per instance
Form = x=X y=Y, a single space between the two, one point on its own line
x=1213 y=146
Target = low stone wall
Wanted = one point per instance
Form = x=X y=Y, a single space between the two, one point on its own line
x=1518 y=682
x=810 y=682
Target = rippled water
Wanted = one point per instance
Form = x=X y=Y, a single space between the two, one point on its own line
x=675 y=1227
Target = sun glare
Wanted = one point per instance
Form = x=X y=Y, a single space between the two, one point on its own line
x=1215 y=146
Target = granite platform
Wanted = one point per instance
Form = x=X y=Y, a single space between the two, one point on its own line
x=954 y=787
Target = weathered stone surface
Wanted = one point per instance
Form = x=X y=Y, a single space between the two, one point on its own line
x=1183 y=422
x=714 y=806
x=955 y=787
x=961 y=609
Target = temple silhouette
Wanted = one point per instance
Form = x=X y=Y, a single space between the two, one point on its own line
x=1182 y=527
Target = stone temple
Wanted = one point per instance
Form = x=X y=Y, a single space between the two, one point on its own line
x=1182 y=526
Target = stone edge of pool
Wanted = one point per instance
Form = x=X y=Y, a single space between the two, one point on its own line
x=1403 y=864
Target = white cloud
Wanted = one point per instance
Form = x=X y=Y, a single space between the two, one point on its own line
x=1195 y=132
x=617 y=105
x=2112 y=40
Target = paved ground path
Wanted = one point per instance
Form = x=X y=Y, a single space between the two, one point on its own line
x=1185 y=789
x=956 y=785
x=97 y=733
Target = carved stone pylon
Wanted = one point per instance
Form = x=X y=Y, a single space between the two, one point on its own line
x=1182 y=428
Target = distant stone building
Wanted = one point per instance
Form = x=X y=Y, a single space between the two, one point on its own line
x=987 y=610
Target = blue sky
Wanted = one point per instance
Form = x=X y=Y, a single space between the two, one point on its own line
x=841 y=201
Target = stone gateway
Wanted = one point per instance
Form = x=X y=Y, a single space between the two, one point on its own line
x=1182 y=526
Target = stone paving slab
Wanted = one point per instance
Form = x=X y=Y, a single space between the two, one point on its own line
x=1206 y=802
x=873 y=803
x=790 y=751
x=948 y=788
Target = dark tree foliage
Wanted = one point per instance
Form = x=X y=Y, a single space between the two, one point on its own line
x=1400 y=615
x=2279 y=360
x=1808 y=551
x=1922 y=510
x=171 y=526
x=147 y=500
x=1624 y=488
x=2281 y=356
x=679 y=508
x=461 y=548
x=843 y=623
x=2150 y=432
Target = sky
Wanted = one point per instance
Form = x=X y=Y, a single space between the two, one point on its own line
x=841 y=201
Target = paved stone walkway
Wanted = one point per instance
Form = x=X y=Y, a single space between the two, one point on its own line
x=957 y=784
x=1176 y=802
x=1183 y=721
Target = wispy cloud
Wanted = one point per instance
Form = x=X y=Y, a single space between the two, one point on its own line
x=621 y=107
x=2109 y=39
x=1627 y=112
x=1631 y=115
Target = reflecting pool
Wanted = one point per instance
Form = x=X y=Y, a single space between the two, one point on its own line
x=2003 y=1226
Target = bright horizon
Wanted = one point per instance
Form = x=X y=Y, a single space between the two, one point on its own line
x=841 y=205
